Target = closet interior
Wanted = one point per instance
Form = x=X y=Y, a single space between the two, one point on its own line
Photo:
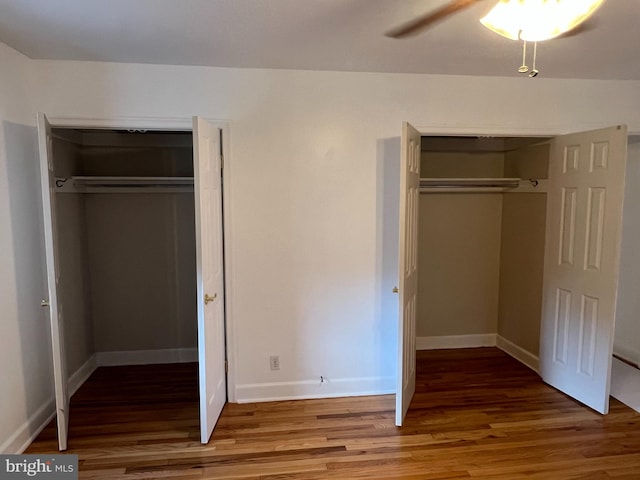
x=482 y=241
x=482 y=226
x=125 y=235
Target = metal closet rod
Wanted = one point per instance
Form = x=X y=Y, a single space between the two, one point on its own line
x=114 y=181
x=469 y=182
x=477 y=185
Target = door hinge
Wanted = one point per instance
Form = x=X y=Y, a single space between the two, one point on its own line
x=226 y=366
x=221 y=162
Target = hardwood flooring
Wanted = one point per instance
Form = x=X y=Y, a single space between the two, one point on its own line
x=477 y=414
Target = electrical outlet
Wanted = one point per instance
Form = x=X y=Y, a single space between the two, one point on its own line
x=274 y=361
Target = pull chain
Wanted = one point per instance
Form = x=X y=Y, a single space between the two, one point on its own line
x=534 y=72
x=523 y=68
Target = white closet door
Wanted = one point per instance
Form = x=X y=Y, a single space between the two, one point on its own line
x=582 y=254
x=210 y=274
x=56 y=318
x=408 y=269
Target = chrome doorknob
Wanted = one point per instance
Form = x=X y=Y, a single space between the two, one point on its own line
x=44 y=303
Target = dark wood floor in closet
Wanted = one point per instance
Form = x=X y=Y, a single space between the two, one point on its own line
x=477 y=414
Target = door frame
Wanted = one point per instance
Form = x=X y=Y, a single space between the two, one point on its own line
x=506 y=131
x=184 y=124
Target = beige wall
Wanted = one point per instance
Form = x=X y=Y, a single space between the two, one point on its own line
x=482 y=255
x=522 y=253
x=459 y=262
x=74 y=287
x=461 y=165
x=141 y=252
x=459 y=253
x=528 y=162
x=136 y=161
x=140 y=265
x=128 y=259
x=521 y=268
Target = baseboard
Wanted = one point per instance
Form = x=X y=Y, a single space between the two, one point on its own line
x=147 y=357
x=625 y=384
x=82 y=374
x=456 y=341
x=342 y=387
x=628 y=354
x=29 y=430
x=523 y=356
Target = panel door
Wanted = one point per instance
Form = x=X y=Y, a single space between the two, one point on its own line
x=56 y=319
x=583 y=237
x=210 y=274
x=408 y=269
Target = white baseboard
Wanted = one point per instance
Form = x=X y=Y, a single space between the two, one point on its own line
x=629 y=354
x=625 y=384
x=82 y=374
x=519 y=353
x=342 y=387
x=29 y=430
x=456 y=341
x=147 y=357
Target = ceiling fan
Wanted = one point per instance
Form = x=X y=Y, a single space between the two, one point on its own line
x=533 y=20
x=423 y=22
x=526 y=20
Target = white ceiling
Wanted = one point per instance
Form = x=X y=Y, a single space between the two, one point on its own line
x=345 y=35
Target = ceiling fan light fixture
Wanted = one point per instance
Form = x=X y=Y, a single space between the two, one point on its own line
x=538 y=20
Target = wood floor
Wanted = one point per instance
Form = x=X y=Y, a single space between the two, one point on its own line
x=477 y=414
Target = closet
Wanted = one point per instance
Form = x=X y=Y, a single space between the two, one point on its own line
x=482 y=227
x=134 y=248
x=126 y=243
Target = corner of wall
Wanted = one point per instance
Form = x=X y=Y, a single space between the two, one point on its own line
x=519 y=353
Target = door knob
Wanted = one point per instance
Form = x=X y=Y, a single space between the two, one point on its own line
x=395 y=290
x=44 y=303
x=208 y=299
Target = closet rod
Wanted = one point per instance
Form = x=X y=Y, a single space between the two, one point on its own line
x=103 y=181
x=469 y=183
x=482 y=185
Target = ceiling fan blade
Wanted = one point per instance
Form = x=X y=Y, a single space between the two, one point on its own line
x=418 y=24
x=583 y=27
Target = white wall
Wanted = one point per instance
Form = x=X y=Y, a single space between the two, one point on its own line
x=305 y=209
x=26 y=391
x=627 y=330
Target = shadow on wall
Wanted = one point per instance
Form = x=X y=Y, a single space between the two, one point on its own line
x=387 y=214
x=25 y=206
